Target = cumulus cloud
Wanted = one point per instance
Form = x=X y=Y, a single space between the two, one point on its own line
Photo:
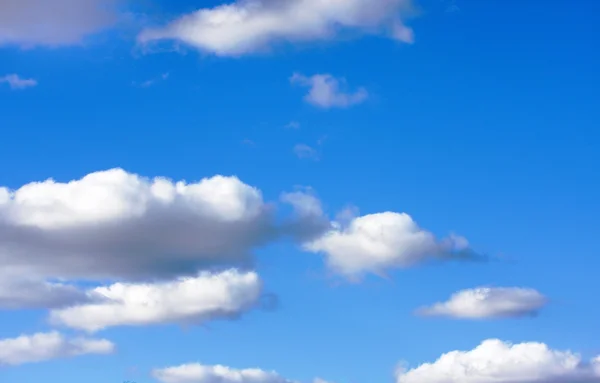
x=45 y=346
x=248 y=26
x=194 y=300
x=53 y=23
x=489 y=302
x=376 y=242
x=325 y=91
x=494 y=361
x=16 y=82
x=199 y=373
x=117 y=225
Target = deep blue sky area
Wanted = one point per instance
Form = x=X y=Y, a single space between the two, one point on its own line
x=487 y=126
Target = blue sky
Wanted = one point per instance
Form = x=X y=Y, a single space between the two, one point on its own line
x=481 y=126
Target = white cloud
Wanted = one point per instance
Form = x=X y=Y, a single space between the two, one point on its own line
x=14 y=81
x=114 y=224
x=325 y=91
x=489 y=302
x=198 y=373
x=187 y=300
x=304 y=151
x=53 y=23
x=377 y=242
x=248 y=26
x=494 y=361
x=45 y=346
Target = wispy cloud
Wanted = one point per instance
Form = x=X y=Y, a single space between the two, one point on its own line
x=326 y=91
x=245 y=27
x=292 y=125
x=17 y=82
x=304 y=151
x=153 y=81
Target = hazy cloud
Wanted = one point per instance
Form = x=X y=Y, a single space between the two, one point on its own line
x=248 y=26
x=16 y=82
x=53 y=23
x=325 y=91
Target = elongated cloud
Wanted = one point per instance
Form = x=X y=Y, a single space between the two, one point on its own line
x=494 y=361
x=114 y=224
x=489 y=302
x=46 y=346
x=325 y=91
x=248 y=26
x=375 y=243
x=17 y=82
x=186 y=300
x=53 y=23
x=199 y=373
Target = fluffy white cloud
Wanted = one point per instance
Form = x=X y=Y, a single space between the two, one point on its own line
x=376 y=242
x=186 y=300
x=325 y=91
x=15 y=81
x=45 y=346
x=113 y=224
x=52 y=23
x=248 y=26
x=489 y=302
x=494 y=361
x=198 y=373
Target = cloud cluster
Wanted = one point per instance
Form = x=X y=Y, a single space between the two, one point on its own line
x=30 y=23
x=489 y=302
x=186 y=300
x=248 y=26
x=375 y=243
x=45 y=346
x=325 y=91
x=494 y=361
x=155 y=251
